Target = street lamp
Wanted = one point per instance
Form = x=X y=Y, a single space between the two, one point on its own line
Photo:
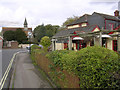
x=29 y=37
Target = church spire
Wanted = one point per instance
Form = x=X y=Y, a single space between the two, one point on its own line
x=25 y=23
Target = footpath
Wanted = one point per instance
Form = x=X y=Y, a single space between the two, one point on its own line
x=25 y=75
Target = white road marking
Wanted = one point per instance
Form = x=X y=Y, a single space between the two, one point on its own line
x=2 y=82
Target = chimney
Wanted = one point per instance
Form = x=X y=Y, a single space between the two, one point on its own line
x=116 y=13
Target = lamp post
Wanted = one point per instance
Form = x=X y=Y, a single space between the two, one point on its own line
x=29 y=37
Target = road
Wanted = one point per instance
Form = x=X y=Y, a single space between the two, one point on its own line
x=26 y=75
x=6 y=55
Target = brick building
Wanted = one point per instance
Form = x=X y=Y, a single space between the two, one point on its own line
x=26 y=29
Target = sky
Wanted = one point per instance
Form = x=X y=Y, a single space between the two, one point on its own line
x=55 y=12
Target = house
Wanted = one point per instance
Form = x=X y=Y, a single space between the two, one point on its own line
x=89 y=30
x=26 y=29
x=1 y=42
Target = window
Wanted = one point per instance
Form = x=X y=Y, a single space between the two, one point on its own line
x=111 y=26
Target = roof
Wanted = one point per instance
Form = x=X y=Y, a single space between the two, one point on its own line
x=107 y=16
x=13 y=28
x=81 y=19
x=71 y=31
x=25 y=22
x=85 y=17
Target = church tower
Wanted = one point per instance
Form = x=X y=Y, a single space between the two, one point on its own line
x=25 y=25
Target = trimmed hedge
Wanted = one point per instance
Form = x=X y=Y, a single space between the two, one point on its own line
x=96 y=67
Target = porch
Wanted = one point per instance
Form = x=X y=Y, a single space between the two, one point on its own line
x=81 y=40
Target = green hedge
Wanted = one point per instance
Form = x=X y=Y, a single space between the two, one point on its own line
x=97 y=67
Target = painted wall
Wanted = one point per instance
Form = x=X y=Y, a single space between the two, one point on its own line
x=109 y=43
x=119 y=44
x=83 y=24
x=59 y=46
x=73 y=26
x=115 y=24
x=96 y=19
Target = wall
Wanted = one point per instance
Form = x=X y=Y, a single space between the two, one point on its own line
x=59 y=46
x=109 y=43
x=96 y=19
x=73 y=26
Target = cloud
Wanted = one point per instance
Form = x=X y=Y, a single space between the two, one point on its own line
x=49 y=11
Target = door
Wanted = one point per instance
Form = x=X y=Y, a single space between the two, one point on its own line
x=115 y=45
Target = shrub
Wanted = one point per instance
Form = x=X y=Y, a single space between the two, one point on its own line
x=56 y=57
x=45 y=41
x=34 y=48
x=98 y=67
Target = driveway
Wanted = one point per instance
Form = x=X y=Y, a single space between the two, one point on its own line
x=26 y=75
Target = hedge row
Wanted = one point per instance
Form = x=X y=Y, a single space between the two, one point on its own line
x=96 y=67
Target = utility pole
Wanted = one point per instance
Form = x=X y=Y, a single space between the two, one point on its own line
x=70 y=43
x=100 y=41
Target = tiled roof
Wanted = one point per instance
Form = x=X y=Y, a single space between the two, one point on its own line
x=71 y=31
x=81 y=19
x=108 y=16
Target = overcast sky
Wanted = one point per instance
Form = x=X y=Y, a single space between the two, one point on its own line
x=55 y=12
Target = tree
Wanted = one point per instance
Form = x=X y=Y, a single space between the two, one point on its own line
x=39 y=32
x=20 y=36
x=51 y=30
x=9 y=35
x=47 y=30
x=45 y=41
x=69 y=20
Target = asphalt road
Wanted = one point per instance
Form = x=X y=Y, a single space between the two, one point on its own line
x=6 y=55
x=26 y=75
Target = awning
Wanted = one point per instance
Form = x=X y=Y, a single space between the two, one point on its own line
x=78 y=38
x=105 y=36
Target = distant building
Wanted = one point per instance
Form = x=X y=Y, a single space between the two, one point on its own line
x=1 y=42
x=26 y=29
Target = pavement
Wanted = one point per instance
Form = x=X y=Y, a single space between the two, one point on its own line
x=25 y=75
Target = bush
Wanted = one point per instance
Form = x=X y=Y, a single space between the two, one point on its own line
x=56 y=57
x=35 y=47
x=98 y=67
x=45 y=41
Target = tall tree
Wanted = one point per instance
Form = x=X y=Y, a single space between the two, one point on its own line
x=69 y=20
x=39 y=32
x=9 y=36
x=45 y=30
x=20 y=36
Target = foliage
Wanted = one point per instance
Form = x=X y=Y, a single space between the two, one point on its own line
x=70 y=20
x=56 y=57
x=45 y=41
x=35 y=47
x=45 y=30
x=9 y=35
x=97 y=67
x=39 y=32
x=18 y=35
